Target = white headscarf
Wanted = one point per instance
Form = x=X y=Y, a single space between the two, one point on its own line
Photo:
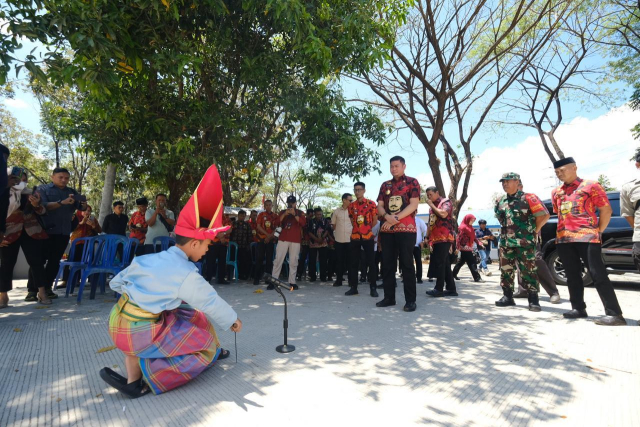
x=15 y=194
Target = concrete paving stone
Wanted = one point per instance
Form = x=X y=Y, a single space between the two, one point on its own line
x=458 y=361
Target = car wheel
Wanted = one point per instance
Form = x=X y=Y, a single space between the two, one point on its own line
x=558 y=272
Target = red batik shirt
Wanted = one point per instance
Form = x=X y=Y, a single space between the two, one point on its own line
x=267 y=220
x=398 y=193
x=441 y=229
x=138 y=218
x=363 y=215
x=576 y=205
x=254 y=231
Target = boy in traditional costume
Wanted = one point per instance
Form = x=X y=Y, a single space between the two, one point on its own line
x=162 y=320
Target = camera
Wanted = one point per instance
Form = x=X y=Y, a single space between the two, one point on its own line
x=79 y=198
x=17 y=171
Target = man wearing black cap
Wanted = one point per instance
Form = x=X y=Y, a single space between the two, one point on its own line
x=116 y=222
x=578 y=238
x=290 y=221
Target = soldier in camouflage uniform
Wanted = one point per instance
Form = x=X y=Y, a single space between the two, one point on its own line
x=521 y=215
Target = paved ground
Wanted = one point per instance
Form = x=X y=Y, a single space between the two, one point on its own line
x=455 y=361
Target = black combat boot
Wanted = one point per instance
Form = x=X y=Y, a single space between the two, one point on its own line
x=534 y=303
x=507 y=299
x=373 y=292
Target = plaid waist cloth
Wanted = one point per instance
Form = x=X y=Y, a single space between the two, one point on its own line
x=174 y=346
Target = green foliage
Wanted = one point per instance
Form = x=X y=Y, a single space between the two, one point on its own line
x=605 y=183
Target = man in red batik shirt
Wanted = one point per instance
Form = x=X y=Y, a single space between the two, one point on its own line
x=579 y=239
x=363 y=216
x=441 y=239
x=397 y=204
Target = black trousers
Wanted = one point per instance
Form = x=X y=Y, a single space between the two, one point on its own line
x=442 y=266
x=342 y=260
x=544 y=275
x=591 y=254
x=216 y=262
x=468 y=258
x=264 y=260
x=321 y=255
x=331 y=262
x=304 y=253
x=417 y=257
x=33 y=252
x=56 y=245
x=244 y=263
x=400 y=245
x=358 y=248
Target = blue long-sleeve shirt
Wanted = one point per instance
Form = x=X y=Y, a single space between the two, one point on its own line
x=161 y=281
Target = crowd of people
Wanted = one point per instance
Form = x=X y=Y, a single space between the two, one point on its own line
x=365 y=239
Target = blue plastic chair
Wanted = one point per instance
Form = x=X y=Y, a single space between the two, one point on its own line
x=165 y=242
x=130 y=250
x=74 y=266
x=233 y=263
x=103 y=262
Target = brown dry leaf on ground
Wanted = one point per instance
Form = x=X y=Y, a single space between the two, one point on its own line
x=42 y=307
x=115 y=366
x=258 y=291
x=17 y=330
x=59 y=399
x=104 y=349
x=99 y=395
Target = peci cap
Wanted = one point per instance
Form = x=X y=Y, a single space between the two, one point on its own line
x=562 y=162
x=291 y=199
x=510 y=175
x=482 y=221
x=117 y=203
x=142 y=201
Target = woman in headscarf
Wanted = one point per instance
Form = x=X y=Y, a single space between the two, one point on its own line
x=138 y=224
x=465 y=240
x=23 y=230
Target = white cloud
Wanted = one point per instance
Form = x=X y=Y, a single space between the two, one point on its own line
x=602 y=145
x=16 y=103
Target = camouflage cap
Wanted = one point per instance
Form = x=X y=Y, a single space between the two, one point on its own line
x=509 y=175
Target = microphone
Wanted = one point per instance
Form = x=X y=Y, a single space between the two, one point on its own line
x=276 y=282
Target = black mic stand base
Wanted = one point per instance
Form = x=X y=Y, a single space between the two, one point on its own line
x=285 y=348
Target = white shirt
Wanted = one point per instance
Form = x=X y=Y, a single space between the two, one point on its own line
x=158 y=229
x=376 y=230
x=341 y=225
x=160 y=282
x=421 y=231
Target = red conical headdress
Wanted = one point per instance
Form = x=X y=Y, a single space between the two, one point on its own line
x=206 y=202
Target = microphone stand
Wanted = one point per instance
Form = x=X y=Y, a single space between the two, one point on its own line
x=284 y=348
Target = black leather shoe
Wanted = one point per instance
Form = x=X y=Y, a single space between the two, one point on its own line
x=256 y=283
x=385 y=303
x=270 y=287
x=456 y=278
x=430 y=280
x=363 y=279
x=312 y=280
x=410 y=306
x=435 y=293
x=450 y=293
x=373 y=292
x=352 y=291
x=575 y=314
x=380 y=287
x=298 y=277
x=31 y=297
x=505 y=301
x=611 y=321
x=337 y=284
x=534 y=302
x=419 y=281
x=293 y=286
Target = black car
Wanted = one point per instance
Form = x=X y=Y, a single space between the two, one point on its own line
x=616 y=244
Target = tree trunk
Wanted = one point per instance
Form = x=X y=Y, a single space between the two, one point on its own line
x=107 y=192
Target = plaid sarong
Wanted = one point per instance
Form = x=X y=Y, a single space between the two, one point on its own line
x=173 y=347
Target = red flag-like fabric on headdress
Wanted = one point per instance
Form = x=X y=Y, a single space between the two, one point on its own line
x=206 y=202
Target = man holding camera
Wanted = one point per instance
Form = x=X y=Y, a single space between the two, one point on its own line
x=61 y=203
x=160 y=222
x=290 y=221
